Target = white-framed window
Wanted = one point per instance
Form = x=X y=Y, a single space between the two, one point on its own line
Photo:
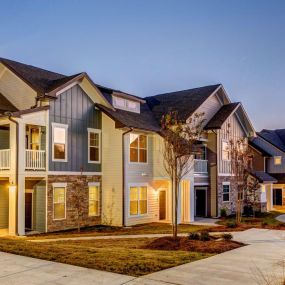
x=119 y=102
x=138 y=148
x=59 y=142
x=94 y=198
x=226 y=192
x=225 y=150
x=138 y=200
x=94 y=145
x=277 y=160
x=125 y=104
x=59 y=201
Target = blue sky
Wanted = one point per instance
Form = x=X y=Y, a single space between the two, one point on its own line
x=152 y=46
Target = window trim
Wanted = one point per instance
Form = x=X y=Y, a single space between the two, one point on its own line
x=96 y=184
x=225 y=141
x=59 y=185
x=129 y=147
x=63 y=126
x=276 y=157
x=99 y=132
x=226 y=184
x=129 y=200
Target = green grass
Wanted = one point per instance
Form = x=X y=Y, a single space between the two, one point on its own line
x=124 y=256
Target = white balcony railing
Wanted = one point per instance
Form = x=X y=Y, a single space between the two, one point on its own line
x=200 y=166
x=5 y=159
x=35 y=159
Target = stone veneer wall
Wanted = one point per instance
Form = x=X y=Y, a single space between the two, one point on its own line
x=73 y=183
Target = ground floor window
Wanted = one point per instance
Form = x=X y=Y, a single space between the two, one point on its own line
x=59 y=201
x=138 y=200
x=226 y=192
x=94 y=199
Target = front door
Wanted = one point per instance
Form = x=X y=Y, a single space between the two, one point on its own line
x=162 y=204
x=28 y=210
x=277 y=197
x=200 y=207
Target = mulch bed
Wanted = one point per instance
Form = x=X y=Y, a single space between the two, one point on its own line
x=186 y=244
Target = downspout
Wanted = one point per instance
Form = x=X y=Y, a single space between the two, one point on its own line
x=123 y=173
x=17 y=166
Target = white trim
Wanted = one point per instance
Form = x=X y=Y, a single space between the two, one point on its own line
x=147 y=199
x=202 y=184
x=226 y=183
x=129 y=149
x=73 y=173
x=59 y=185
x=96 y=131
x=95 y=184
x=63 y=126
x=66 y=88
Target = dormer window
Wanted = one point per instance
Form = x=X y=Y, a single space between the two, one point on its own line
x=126 y=104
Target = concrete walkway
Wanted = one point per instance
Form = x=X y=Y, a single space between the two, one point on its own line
x=281 y=218
x=264 y=253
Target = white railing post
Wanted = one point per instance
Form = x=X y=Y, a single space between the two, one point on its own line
x=5 y=159
x=35 y=159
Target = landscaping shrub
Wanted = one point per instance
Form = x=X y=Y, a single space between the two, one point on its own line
x=194 y=236
x=224 y=213
x=264 y=224
x=227 y=237
x=231 y=224
x=204 y=236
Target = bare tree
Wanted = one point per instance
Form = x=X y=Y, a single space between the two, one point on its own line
x=242 y=181
x=179 y=138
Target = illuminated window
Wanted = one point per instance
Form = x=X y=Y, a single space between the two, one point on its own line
x=138 y=148
x=225 y=150
x=277 y=160
x=59 y=201
x=94 y=142
x=94 y=199
x=59 y=141
x=138 y=200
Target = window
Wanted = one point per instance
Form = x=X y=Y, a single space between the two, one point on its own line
x=59 y=141
x=226 y=192
x=94 y=198
x=138 y=148
x=225 y=150
x=277 y=160
x=200 y=152
x=125 y=104
x=59 y=201
x=138 y=200
x=94 y=142
x=119 y=102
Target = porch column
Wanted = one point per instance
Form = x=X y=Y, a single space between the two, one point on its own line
x=192 y=200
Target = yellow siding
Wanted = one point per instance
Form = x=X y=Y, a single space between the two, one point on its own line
x=112 y=173
x=20 y=94
x=4 y=206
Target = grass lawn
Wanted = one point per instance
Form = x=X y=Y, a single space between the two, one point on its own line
x=152 y=228
x=261 y=220
x=125 y=256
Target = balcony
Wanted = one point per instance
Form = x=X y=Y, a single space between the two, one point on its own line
x=200 y=166
x=35 y=159
x=5 y=159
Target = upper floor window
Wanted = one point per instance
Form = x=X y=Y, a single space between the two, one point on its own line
x=200 y=152
x=226 y=192
x=59 y=142
x=94 y=145
x=277 y=160
x=94 y=199
x=125 y=104
x=225 y=150
x=138 y=200
x=138 y=148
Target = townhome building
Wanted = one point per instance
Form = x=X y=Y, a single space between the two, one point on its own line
x=270 y=164
x=72 y=151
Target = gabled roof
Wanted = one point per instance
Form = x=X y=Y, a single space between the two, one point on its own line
x=221 y=116
x=275 y=137
x=185 y=102
x=143 y=120
x=253 y=143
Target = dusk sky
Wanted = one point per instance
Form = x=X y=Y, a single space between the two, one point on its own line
x=153 y=46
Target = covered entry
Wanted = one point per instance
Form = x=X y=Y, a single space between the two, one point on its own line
x=277 y=197
x=200 y=201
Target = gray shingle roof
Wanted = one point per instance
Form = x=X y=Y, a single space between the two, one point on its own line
x=254 y=144
x=275 y=137
x=220 y=117
x=264 y=177
x=184 y=102
x=280 y=177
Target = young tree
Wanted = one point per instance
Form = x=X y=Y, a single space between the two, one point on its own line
x=242 y=181
x=179 y=138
